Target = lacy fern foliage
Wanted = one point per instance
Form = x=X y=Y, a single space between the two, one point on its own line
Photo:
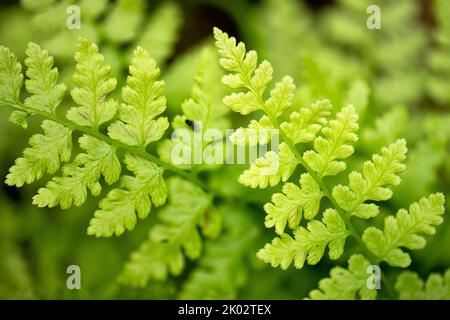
x=137 y=125
x=331 y=137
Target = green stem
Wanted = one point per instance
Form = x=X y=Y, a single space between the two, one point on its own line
x=132 y=149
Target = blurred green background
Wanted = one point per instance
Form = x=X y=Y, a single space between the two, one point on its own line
x=398 y=77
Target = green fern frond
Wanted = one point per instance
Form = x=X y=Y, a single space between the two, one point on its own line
x=99 y=160
x=11 y=77
x=309 y=243
x=42 y=82
x=122 y=24
x=161 y=31
x=223 y=267
x=93 y=85
x=333 y=145
x=346 y=284
x=305 y=124
x=403 y=231
x=83 y=173
x=289 y=207
x=47 y=152
x=270 y=169
x=411 y=287
x=372 y=182
x=119 y=209
x=176 y=234
x=331 y=140
x=144 y=101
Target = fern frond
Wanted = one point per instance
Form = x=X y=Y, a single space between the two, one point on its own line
x=83 y=173
x=223 y=267
x=49 y=150
x=11 y=78
x=119 y=209
x=42 y=80
x=138 y=125
x=346 y=284
x=289 y=207
x=411 y=287
x=308 y=243
x=402 y=231
x=373 y=182
x=246 y=73
x=122 y=23
x=177 y=232
x=333 y=146
x=257 y=132
x=161 y=31
x=305 y=124
x=270 y=169
x=143 y=94
x=93 y=85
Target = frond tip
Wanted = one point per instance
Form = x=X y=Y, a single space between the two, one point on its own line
x=373 y=182
x=411 y=287
x=138 y=125
x=346 y=284
x=403 y=230
x=309 y=243
x=93 y=85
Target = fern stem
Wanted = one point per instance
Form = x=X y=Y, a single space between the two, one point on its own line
x=96 y=134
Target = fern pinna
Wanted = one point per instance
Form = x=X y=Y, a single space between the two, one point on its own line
x=114 y=139
x=330 y=140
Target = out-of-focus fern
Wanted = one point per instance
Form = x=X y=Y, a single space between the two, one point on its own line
x=331 y=146
x=15 y=279
x=223 y=268
x=411 y=287
x=438 y=84
x=124 y=19
x=161 y=32
x=393 y=52
x=109 y=24
x=189 y=208
x=346 y=284
x=281 y=25
x=202 y=111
